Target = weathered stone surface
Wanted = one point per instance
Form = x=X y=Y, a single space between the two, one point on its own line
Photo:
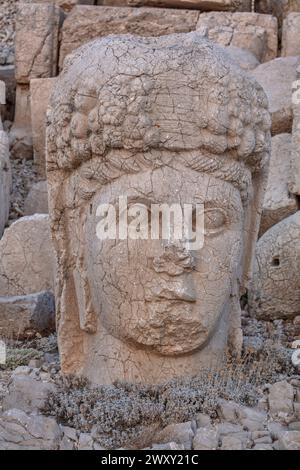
x=26 y=257
x=277 y=78
x=40 y=90
x=289 y=440
x=85 y=23
x=279 y=203
x=27 y=393
x=37 y=200
x=5 y=179
x=20 y=136
x=19 y=431
x=181 y=433
x=204 y=5
x=274 y=291
x=281 y=397
x=65 y=5
x=294 y=186
x=231 y=443
x=206 y=439
x=85 y=441
x=245 y=59
x=251 y=31
x=291 y=35
x=202 y=130
x=24 y=316
x=36 y=43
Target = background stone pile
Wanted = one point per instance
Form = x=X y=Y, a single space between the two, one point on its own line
x=263 y=37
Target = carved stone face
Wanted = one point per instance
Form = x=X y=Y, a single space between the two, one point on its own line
x=157 y=294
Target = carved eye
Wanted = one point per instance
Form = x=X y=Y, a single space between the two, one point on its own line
x=214 y=221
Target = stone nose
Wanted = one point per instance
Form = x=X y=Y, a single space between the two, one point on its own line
x=174 y=260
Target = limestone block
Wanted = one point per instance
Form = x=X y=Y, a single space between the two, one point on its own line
x=85 y=23
x=277 y=78
x=278 y=8
x=26 y=257
x=5 y=179
x=36 y=201
x=281 y=397
x=206 y=439
x=279 y=203
x=23 y=316
x=21 y=431
x=181 y=433
x=275 y=288
x=291 y=35
x=65 y=5
x=27 y=393
x=20 y=136
x=36 y=43
x=251 y=31
x=204 y=5
x=295 y=154
x=40 y=91
x=289 y=440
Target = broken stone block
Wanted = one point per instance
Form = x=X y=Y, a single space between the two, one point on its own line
x=40 y=91
x=279 y=203
x=5 y=179
x=281 y=397
x=20 y=431
x=27 y=393
x=181 y=433
x=204 y=5
x=20 y=136
x=36 y=42
x=206 y=439
x=289 y=440
x=277 y=78
x=231 y=443
x=26 y=257
x=251 y=31
x=291 y=35
x=65 y=5
x=37 y=200
x=24 y=316
x=85 y=23
x=274 y=291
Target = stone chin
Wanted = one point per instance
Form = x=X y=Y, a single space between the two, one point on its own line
x=172 y=328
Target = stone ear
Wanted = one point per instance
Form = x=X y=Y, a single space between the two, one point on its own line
x=87 y=316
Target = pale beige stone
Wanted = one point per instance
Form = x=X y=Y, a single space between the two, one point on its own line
x=5 y=179
x=36 y=201
x=294 y=186
x=243 y=58
x=289 y=440
x=278 y=8
x=36 y=42
x=279 y=203
x=131 y=116
x=275 y=287
x=291 y=35
x=181 y=433
x=251 y=31
x=206 y=439
x=281 y=397
x=85 y=23
x=277 y=78
x=40 y=90
x=26 y=257
x=205 y=5
x=21 y=431
x=20 y=136
x=65 y=5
